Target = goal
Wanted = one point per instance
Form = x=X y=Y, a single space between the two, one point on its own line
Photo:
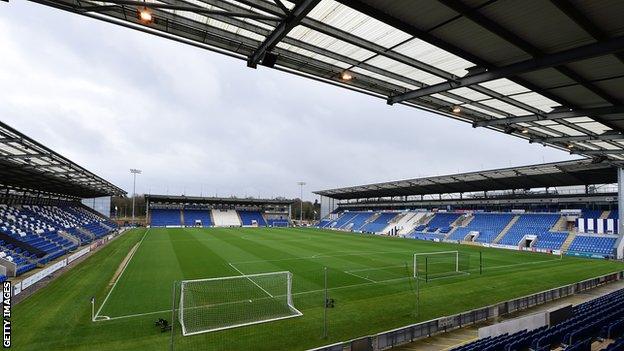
x=441 y=264
x=208 y=305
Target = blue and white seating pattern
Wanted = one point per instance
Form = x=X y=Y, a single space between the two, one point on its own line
x=489 y=225
x=442 y=220
x=191 y=216
x=248 y=217
x=356 y=222
x=601 y=317
x=165 y=217
x=52 y=230
x=529 y=224
x=601 y=245
x=551 y=240
x=380 y=223
x=277 y=222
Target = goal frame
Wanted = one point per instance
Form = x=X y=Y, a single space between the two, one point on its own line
x=415 y=259
x=291 y=306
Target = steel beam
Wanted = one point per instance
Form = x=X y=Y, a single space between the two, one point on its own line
x=193 y=9
x=597 y=152
x=567 y=139
x=293 y=18
x=552 y=115
x=602 y=48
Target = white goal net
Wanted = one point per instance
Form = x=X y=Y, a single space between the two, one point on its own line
x=432 y=265
x=208 y=305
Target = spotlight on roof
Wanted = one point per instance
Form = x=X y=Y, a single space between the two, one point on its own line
x=570 y=146
x=456 y=109
x=347 y=76
x=524 y=131
x=145 y=15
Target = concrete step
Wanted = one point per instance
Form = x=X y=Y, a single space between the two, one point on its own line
x=506 y=229
x=566 y=244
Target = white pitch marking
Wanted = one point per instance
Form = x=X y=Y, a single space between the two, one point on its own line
x=119 y=277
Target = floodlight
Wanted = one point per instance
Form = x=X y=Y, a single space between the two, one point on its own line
x=145 y=15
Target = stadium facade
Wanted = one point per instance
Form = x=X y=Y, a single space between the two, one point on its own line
x=190 y=211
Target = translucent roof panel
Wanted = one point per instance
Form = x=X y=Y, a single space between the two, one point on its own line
x=470 y=94
x=313 y=55
x=594 y=127
x=605 y=145
x=503 y=106
x=404 y=70
x=329 y=43
x=447 y=99
x=536 y=100
x=487 y=112
x=544 y=131
x=566 y=130
x=365 y=72
x=434 y=56
x=505 y=86
x=358 y=24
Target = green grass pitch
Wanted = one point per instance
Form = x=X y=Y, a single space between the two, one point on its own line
x=368 y=277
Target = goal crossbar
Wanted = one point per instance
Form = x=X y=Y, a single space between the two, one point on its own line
x=435 y=253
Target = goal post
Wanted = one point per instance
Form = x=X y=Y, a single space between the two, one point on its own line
x=440 y=264
x=209 y=305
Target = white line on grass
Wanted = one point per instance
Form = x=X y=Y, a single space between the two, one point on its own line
x=319 y=255
x=97 y=314
x=251 y=280
x=361 y=277
x=370 y=282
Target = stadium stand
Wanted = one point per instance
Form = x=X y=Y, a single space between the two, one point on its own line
x=551 y=240
x=192 y=216
x=595 y=320
x=529 y=224
x=488 y=225
x=53 y=230
x=249 y=217
x=226 y=218
x=380 y=223
x=593 y=244
x=165 y=217
x=278 y=222
x=442 y=221
x=356 y=222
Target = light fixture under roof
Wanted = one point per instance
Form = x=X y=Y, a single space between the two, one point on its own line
x=346 y=76
x=456 y=109
x=145 y=15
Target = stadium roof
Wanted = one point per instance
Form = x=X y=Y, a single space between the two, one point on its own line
x=569 y=173
x=27 y=165
x=215 y=200
x=550 y=72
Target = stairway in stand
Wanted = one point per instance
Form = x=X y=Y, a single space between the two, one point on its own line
x=566 y=244
x=506 y=229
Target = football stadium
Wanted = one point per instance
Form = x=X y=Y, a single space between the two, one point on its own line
x=523 y=257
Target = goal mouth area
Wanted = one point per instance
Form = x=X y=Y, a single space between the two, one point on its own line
x=429 y=266
x=215 y=304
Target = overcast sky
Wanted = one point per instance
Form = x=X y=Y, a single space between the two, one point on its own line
x=111 y=99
